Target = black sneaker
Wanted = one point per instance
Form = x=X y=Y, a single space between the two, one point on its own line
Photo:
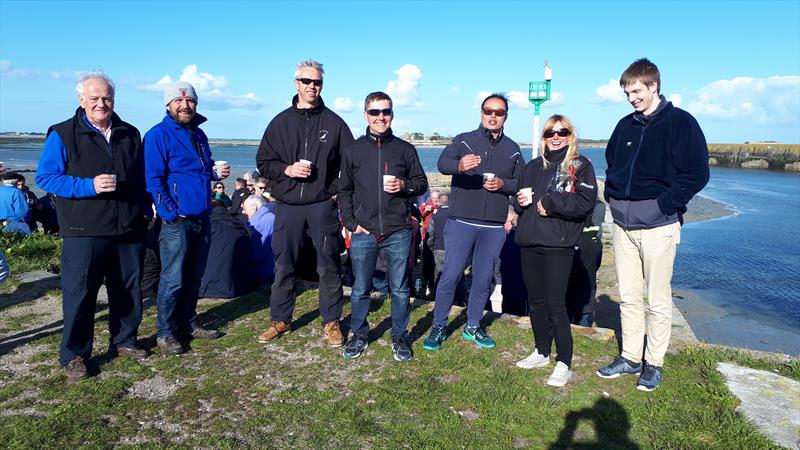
x=170 y=345
x=355 y=346
x=402 y=352
x=620 y=366
x=650 y=378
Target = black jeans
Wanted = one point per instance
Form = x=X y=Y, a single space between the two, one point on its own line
x=86 y=262
x=322 y=220
x=582 y=290
x=545 y=271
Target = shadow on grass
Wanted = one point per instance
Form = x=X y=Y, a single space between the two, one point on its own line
x=607 y=315
x=611 y=427
x=30 y=290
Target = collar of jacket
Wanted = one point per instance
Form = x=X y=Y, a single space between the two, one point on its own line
x=386 y=137
x=662 y=105
x=308 y=111
x=196 y=121
x=489 y=134
x=86 y=127
x=556 y=156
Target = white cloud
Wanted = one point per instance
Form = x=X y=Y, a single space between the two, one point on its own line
x=676 y=99
x=610 y=93
x=8 y=70
x=521 y=99
x=343 y=104
x=518 y=99
x=765 y=100
x=454 y=89
x=403 y=90
x=212 y=90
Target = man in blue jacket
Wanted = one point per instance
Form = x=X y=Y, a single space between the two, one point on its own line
x=179 y=171
x=93 y=163
x=484 y=164
x=657 y=161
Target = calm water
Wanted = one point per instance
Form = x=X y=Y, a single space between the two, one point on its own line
x=748 y=264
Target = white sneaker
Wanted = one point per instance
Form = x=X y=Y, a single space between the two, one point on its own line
x=561 y=374
x=534 y=361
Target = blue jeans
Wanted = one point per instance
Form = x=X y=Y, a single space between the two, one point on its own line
x=463 y=242
x=184 y=251
x=364 y=250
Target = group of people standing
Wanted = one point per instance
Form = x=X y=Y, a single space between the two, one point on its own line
x=106 y=178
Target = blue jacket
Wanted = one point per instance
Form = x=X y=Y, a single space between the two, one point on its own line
x=262 y=258
x=656 y=164
x=177 y=173
x=13 y=206
x=468 y=198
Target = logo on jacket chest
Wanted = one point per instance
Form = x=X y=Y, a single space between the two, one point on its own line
x=323 y=135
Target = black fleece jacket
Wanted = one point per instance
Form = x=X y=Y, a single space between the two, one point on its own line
x=362 y=200
x=568 y=196
x=316 y=134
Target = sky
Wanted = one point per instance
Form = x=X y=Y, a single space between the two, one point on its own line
x=735 y=65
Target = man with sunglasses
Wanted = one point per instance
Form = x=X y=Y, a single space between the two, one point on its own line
x=380 y=177
x=657 y=161
x=484 y=164
x=299 y=154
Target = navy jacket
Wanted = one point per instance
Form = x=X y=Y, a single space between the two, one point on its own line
x=179 y=168
x=662 y=157
x=468 y=198
x=316 y=134
x=362 y=200
x=567 y=196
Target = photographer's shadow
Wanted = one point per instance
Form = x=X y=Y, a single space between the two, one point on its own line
x=611 y=427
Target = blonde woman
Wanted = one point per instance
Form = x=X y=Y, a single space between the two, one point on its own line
x=557 y=191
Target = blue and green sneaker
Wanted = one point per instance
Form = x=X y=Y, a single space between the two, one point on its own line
x=478 y=336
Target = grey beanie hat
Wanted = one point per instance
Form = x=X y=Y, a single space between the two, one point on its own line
x=179 y=89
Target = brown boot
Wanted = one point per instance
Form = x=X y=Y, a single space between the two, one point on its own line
x=75 y=370
x=333 y=334
x=275 y=330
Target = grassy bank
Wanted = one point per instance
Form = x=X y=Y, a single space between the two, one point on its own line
x=298 y=393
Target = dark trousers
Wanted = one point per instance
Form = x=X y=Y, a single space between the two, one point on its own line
x=85 y=263
x=464 y=243
x=322 y=220
x=582 y=290
x=546 y=274
x=184 y=252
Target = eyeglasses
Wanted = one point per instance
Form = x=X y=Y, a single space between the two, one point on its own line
x=378 y=112
x=308 y=81
x=496 y=112
x=562 y=132
x=261 y=187
x=219 y=187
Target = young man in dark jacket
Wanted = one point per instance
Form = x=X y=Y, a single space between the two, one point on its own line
x=484 y=164
x=94 y=164
x=380 y=177
x=657 y=161
x=179 y=171
x=300 y=155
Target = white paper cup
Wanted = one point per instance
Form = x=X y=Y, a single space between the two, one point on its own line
x=218 y=166
x=306 y=162
x=488 y=176
x=386 y=179
x=114 y=179
x=528 y=193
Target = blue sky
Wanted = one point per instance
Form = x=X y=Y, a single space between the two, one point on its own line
x=734 y=65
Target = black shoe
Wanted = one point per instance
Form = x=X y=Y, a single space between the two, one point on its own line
x=205 y=333
x=131 y=351
x=402 y=352
x=170 y=345
x=355 y=346
x=75 y=370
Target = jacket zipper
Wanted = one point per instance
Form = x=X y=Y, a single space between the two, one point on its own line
x=488 y=154
x=633 y=160
x=305 y=154
x=380 y=183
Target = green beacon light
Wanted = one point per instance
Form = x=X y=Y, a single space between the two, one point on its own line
x=538 y=93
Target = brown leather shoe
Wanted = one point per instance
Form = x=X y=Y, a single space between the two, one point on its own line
x=275 y=330
x=132 y=352
x=75 y=370
x=333 y=334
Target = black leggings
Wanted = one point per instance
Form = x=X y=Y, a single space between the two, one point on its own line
x=545 y=271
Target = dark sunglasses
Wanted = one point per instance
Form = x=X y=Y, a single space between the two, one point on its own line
x=378 y=112
x=308 y=81
x=496 y=112
x=260 y=186
x=562 y=132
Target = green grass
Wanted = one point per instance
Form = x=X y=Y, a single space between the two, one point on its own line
x=299 y=393
x=36 y=251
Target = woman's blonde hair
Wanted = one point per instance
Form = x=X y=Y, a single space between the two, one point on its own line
x=572 y=140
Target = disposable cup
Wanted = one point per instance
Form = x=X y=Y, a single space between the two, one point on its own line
x=528 y=193
x=306 y=162
x=218 y=166
x=114 y=179
x=488 y=176
x=386 y=179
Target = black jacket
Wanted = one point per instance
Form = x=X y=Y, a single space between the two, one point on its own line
x=468 y=198
x=567 y=196
x=315 y=134
x=362 y=200
x=662 y=157
x=228 y=273
x=88 y=155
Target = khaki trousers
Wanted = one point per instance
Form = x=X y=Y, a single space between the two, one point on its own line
x=644 y=260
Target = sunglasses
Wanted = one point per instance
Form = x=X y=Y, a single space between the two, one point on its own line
x=308 y=81
x=261 y=187
x=562 y=132
x=496 y=112
x=219 y=187
x=378 y=112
